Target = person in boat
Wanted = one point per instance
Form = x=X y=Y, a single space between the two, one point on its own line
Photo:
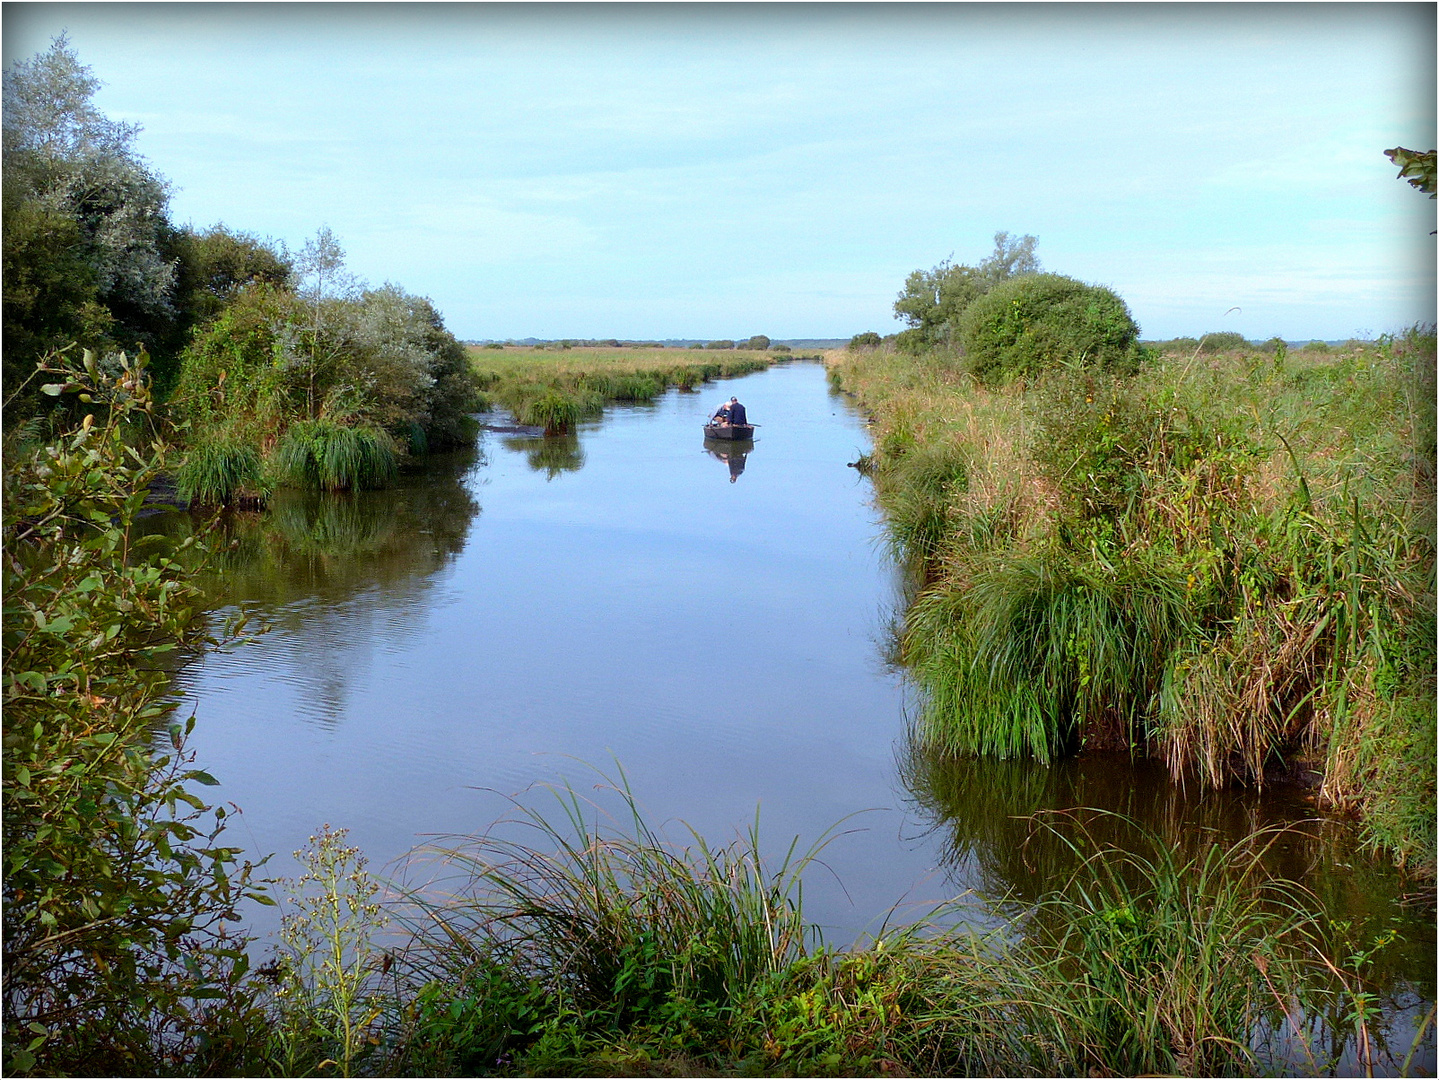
x=736 y=412
x=721 y=415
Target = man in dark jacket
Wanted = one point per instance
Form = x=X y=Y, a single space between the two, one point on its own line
x=736 y=412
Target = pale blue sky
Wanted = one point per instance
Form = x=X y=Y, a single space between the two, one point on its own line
x=720 y=171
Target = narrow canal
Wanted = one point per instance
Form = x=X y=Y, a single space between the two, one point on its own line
x=550 y=610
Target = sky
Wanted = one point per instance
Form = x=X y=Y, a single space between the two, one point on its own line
x=717 y=171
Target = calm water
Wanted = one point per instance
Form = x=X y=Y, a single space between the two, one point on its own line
x=712 y=619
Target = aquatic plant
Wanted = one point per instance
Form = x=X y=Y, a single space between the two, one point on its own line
x=1177 y=557
x=598 y=945
x=215 y=471
x=334 y=457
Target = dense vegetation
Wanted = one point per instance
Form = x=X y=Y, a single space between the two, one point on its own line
x=278 y=367
x=117 y=884
x=1225 y=558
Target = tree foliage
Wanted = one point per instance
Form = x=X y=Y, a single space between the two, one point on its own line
x=1042 y=321
x=933 y=301
x=377 y=360
x=86 y=203
x=117 y=883
x=1415 y=166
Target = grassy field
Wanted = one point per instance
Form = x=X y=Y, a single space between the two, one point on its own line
x=556 y=388
x=1225 y=559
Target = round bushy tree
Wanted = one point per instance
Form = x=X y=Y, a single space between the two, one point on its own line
x=1039 y=321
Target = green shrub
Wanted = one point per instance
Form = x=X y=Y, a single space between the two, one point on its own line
x=332 y=457
x=867 y=340
x=1222 y=341
x=759 y=341
x=1320 y=347
x=1041 y=321
x=118 y=883
x=215 y=471
x=720 y=345
x=779 y=348
x=913 y=341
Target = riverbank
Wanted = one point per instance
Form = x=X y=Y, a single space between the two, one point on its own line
x=648 y=950
x=556 y=388
x=1225 y=560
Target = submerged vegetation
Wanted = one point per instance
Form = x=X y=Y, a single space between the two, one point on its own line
x=1222 y=558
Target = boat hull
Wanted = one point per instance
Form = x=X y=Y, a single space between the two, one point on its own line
x=733 y=432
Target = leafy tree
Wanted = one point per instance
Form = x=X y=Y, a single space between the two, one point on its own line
x=759 y=341
x=1040 y=321
x=933 y=301
x=321 y=269
x=867 y=340
x=214 y=265
x=1415 y=166
x=66 y=161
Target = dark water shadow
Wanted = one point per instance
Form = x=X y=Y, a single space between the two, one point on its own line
x=1016 y=830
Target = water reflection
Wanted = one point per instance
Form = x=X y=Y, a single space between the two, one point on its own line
x=1015 y=830
x=732 y=452
x=331 y=574
x=549 y=454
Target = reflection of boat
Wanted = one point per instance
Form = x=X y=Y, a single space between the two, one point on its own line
x=732 y=453
x=735 y=432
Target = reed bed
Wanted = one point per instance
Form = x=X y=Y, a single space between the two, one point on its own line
x=331 y=456
x=558 y=388
x=580 y=942
x=1225 y=557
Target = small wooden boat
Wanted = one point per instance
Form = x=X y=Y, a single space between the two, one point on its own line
x=729 y=431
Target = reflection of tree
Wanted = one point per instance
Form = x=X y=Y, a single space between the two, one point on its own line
x=549 y=454
x=1009 y=826
x=333 y=545
x=334 y=573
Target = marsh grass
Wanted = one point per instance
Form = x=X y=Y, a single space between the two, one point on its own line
x=558 y=389
x=1034 y=654
x=570 y=942
x=557 y=409
x=330 y=456
x=1225 y=558
x=606 y=921
x=217 y=471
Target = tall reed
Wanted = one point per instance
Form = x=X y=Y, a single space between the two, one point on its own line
x=215 y=471
x=330 y=456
